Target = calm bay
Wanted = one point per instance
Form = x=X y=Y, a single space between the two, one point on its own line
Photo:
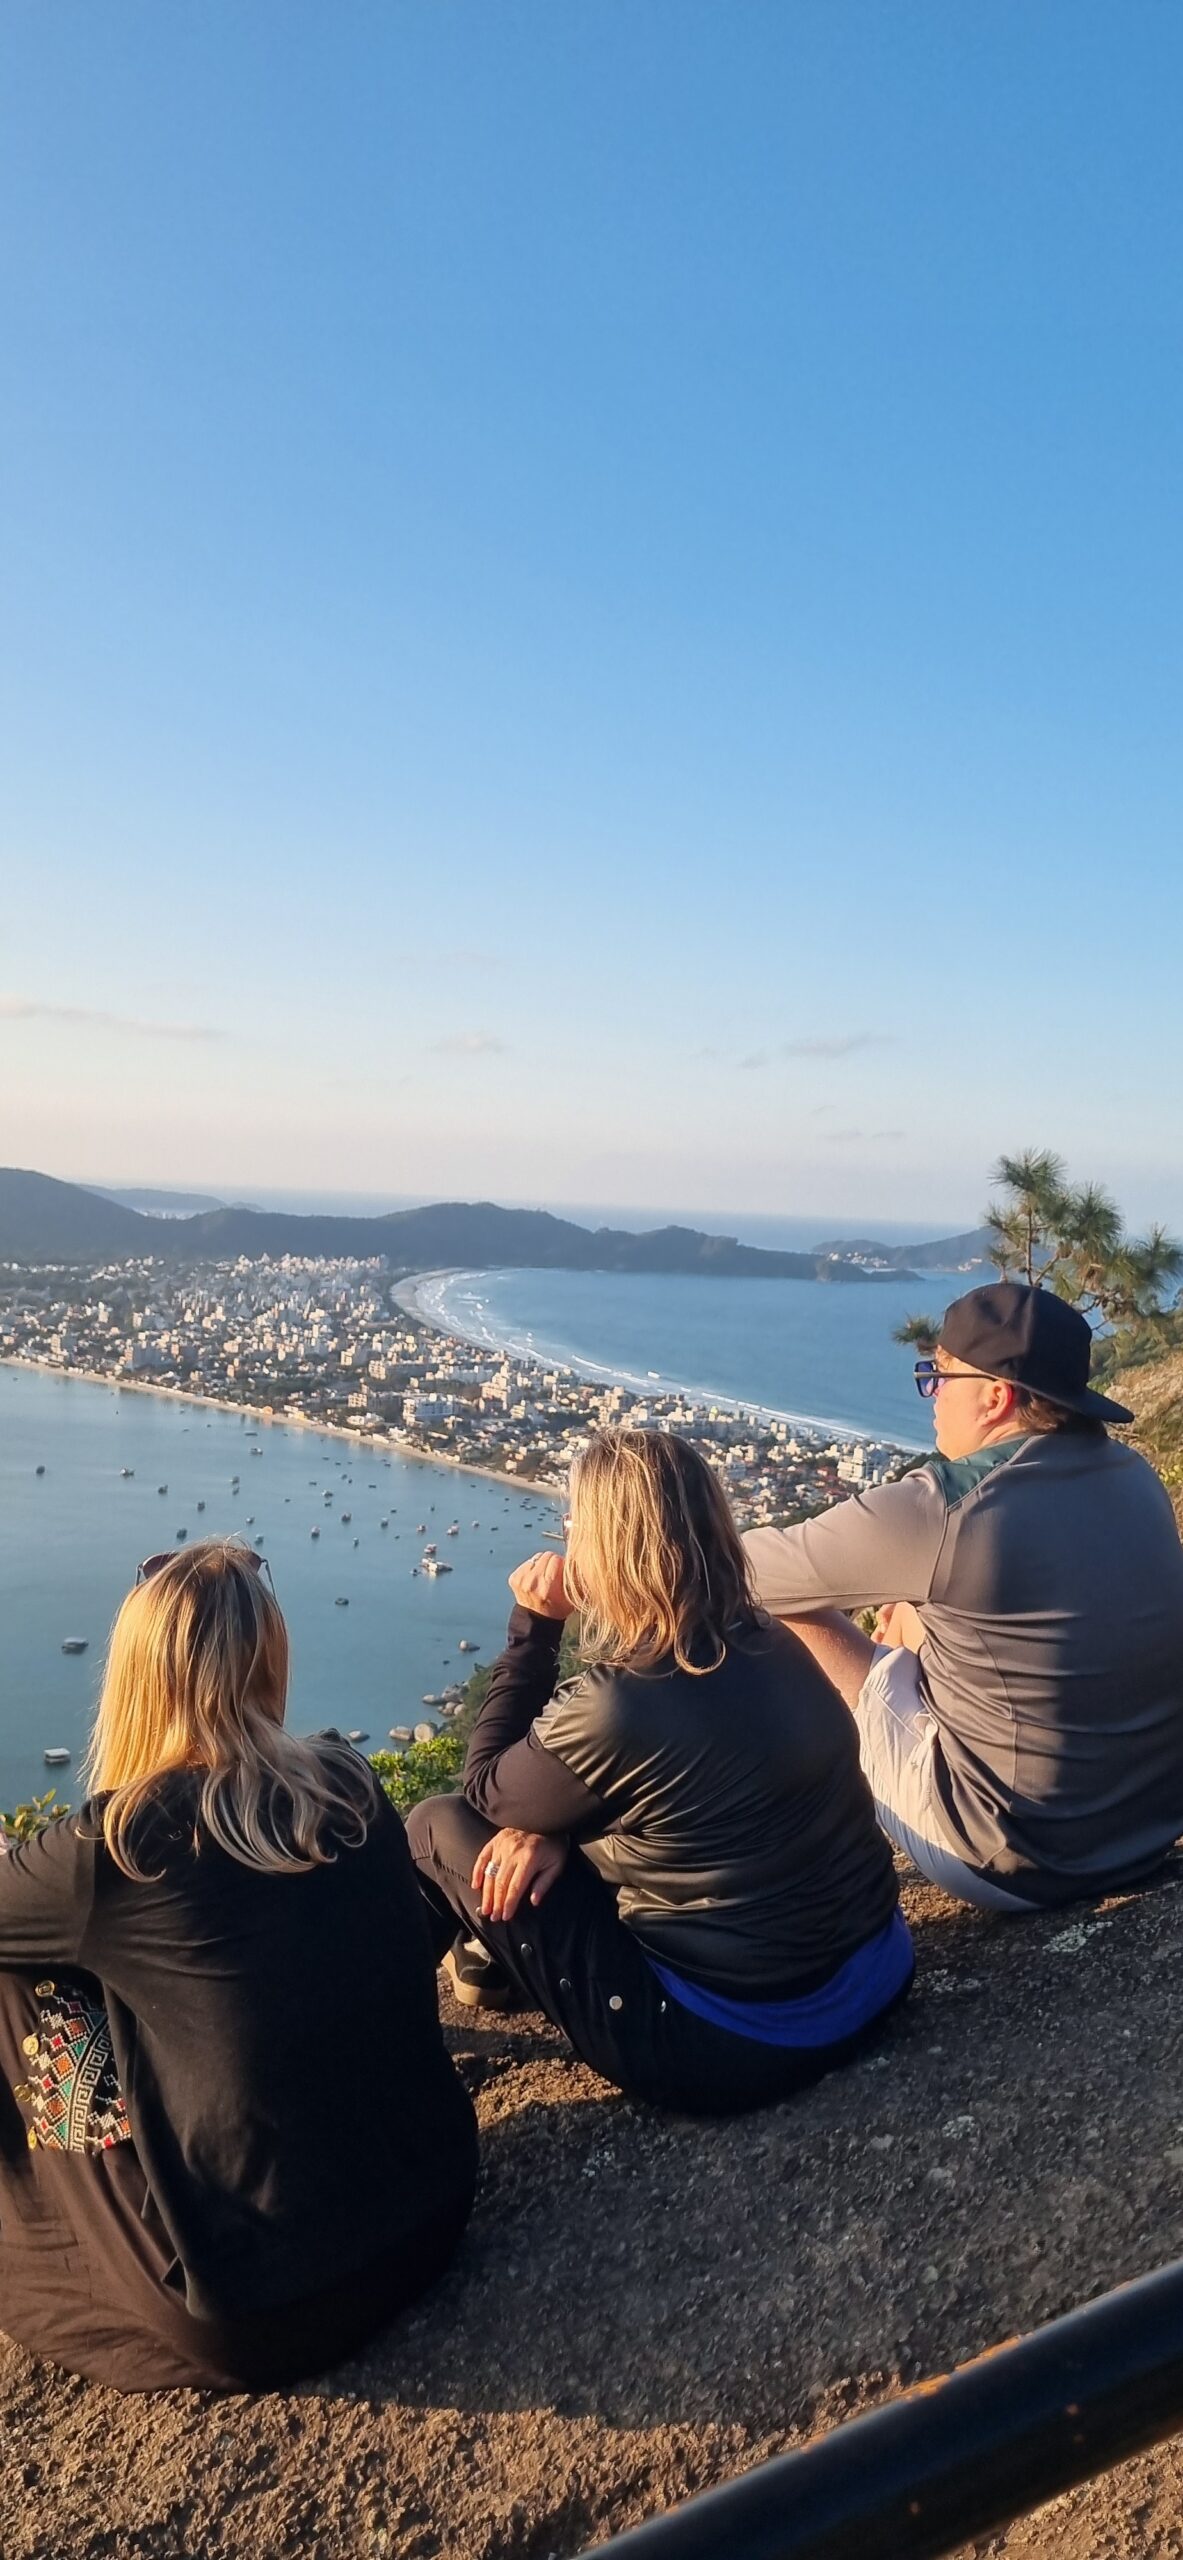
x=71 y=1539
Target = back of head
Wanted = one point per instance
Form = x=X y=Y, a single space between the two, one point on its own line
x=196 y=1679
x=655 y=1561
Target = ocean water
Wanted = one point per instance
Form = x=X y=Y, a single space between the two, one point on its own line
x=819 y=1352
x=71 y=1539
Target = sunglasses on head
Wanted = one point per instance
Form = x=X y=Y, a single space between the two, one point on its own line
x=168 y=1555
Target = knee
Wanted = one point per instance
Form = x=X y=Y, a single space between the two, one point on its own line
x=444 y=1831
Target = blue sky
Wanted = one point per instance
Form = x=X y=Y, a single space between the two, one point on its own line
x=592 y=597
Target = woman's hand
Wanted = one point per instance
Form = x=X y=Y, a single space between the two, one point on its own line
x=512 y=1863
x=900 y=1624
x=538 y=1585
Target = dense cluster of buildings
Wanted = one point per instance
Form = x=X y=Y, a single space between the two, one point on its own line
x=329 y=1343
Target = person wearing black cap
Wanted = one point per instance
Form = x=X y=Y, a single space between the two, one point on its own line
x=1021 y=1718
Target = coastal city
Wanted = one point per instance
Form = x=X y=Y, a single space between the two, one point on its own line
x=329 y=1343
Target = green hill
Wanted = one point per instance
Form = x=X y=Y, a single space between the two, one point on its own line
x=1154 y=1393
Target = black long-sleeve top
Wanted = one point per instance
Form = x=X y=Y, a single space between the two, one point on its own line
x=727 y=1809
x=277 y=2040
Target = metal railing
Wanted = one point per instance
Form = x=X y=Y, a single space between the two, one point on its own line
x=956 y=2458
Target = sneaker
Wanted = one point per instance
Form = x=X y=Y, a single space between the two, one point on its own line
x=477 y=1979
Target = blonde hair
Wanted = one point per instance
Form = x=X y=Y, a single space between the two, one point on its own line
x=654 y=1559
x=196 y=1678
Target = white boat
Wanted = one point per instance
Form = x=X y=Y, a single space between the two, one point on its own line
x=355 y=1734
x=340 y=1604
x=314 y=1533
x=127 y=1471
x=75 y=1644
x=429 y=1549
x=454 y=1531
x=466 y=1646
x=56 y=1758
x=434 y=1565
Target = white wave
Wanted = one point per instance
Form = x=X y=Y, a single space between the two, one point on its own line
x=446 y=1298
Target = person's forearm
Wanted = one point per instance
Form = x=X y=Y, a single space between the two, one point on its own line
x=839 y=1648
x=522 y=1680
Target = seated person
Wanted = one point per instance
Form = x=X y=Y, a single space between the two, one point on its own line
x=235 y=2145
x=712 y=1910
x=1022 y=1724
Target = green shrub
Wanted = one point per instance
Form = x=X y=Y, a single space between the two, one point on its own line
x=423 y=1769
x=26 y=1820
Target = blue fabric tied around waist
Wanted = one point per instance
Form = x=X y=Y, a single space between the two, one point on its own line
x=864 y=1985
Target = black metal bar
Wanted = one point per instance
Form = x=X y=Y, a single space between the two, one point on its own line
x=956 y=2458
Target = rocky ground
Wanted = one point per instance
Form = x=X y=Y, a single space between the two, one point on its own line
x=646 y=2305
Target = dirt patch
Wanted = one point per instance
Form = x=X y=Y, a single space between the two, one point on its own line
x=644 y=2305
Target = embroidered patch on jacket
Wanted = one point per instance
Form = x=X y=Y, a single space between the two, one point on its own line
x=72 y=2087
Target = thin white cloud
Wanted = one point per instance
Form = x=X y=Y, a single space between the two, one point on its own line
x=34 y=1009
x=841 y=1045
x=870 y=1137
x=470 y=1044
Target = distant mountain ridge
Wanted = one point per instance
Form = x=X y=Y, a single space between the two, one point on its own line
x=162 y=1204
x=948 y=1253
x=43 y=1220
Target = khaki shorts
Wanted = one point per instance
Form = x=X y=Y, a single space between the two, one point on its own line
x=897 y=1733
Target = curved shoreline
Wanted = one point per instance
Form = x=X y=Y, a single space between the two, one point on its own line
x=413 y=1296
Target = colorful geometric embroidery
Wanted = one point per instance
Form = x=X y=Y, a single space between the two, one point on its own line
x=73 y=2085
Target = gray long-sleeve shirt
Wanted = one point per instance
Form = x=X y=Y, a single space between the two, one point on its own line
x=1048 y=1575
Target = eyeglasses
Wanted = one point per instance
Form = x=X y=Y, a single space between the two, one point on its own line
x=929 y=1379
x=169 y=1555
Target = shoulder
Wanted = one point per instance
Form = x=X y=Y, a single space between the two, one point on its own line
x=954 y=1481
x=597 y=1701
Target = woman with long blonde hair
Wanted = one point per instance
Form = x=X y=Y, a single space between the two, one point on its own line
x=675 y=1854
x=235 y=2144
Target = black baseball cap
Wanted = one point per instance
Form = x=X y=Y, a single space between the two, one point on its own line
x=1032 y=1339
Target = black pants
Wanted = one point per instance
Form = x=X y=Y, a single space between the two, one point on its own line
x=575 y=1959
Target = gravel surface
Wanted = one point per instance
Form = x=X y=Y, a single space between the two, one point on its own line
x=644 y=2305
